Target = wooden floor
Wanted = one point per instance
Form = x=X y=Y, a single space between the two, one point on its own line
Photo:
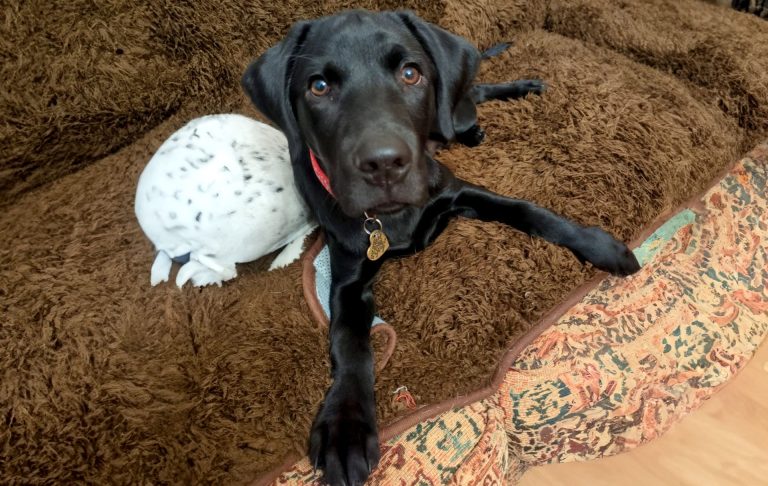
x=725 y=442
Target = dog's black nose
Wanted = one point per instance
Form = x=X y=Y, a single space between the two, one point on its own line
x=384 y=162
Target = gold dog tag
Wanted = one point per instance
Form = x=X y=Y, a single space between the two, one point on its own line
x=378 y=242
x=379 y=245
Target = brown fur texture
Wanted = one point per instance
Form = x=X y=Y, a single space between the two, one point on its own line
x=107 y=380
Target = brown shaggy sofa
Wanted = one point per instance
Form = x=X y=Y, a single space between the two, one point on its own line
x=105 y=379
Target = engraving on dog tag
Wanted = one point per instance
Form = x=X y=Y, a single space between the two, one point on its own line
x=379 y=245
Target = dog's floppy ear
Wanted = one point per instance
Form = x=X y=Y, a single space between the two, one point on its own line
x=267 y=82
x=455 y=61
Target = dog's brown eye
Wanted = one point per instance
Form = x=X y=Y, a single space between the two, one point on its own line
x=319 y=87
x=410 y=75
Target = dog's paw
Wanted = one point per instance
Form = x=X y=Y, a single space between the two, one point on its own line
x=606 y=253
x=534 y=86
x=344 y=442
x=472 y=137
x=517 y=89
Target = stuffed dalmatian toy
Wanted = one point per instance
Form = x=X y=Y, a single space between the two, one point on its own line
x=220 y=191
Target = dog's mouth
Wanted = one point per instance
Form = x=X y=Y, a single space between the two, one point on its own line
x=387 y=208
x=361 y=207
x=394 y=203
x=358 y=196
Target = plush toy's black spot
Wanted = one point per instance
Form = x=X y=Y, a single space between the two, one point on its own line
x=183 y=169
x=231 y=213
x=170 y=176
x=247 y=177
x=194 y=133
x=189 y=201
x=181 y=258
x=238 y=193
x=279 y=189
x=189 y=146
x=274 y=210
x=197 y=218
x=172 y=215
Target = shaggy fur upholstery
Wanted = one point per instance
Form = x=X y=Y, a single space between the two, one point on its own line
x=105 y=379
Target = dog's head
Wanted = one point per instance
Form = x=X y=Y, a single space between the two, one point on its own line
x=365 y=92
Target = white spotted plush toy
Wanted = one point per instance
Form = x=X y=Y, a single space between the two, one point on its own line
x=220 y=191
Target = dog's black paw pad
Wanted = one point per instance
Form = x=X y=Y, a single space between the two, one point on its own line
x=606 y=253
x=344 y=443
x=472 y=137
x=625 y=264
x=536 y=86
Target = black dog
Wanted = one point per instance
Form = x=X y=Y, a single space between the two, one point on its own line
x=364 y=99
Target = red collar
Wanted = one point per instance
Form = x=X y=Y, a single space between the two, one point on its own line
x=320 y=174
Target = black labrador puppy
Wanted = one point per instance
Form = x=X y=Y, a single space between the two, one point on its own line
x=365 y=99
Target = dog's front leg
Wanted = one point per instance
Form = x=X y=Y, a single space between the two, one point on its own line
x=344 y=440
x=590 y=244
